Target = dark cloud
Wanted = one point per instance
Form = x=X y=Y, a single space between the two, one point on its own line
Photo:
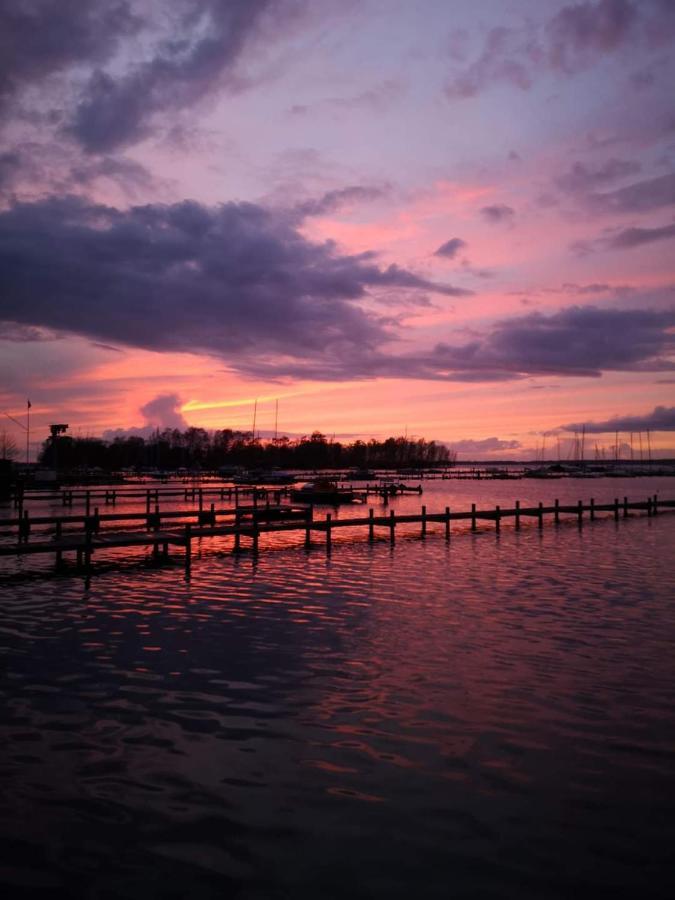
x=574 y=39
x=498 y=213
x=235 y=280
x=486 y=445
x=625 y=239
x=47 y=36
x=582 y=178
x=581 y=32
x=163 y=411
x=115 y=111
x=333 y=200
x=450 y=248
x=636 y=237
x=643 y=196
x=10 y=166
x=579 y=341
x=662 y=418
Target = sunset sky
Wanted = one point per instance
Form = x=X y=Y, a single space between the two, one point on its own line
x=451 y=219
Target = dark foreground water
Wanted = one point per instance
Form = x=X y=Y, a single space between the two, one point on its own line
x=493 y=718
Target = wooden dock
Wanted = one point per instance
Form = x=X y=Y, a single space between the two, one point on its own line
x=250 y=522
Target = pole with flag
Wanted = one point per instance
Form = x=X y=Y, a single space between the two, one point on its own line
x=28 y=406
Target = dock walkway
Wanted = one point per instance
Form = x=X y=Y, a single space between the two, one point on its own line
x=251 y=522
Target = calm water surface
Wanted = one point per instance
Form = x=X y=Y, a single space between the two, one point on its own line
x=489 y=718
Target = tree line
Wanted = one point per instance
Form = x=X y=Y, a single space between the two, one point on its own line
x=199 y=448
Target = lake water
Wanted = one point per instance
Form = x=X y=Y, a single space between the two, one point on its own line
x=488 y=718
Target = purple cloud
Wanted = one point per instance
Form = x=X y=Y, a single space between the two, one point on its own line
x=498 y=213
x=573 y=39
x=450 y=248
x=163 y=411
x=636 y=237
x=117 y=110
x=333 y=200
x=662 y=418
x=234 y=280
x=643 y=196
x=581 y=341
x=486 y=445
x=581 y=178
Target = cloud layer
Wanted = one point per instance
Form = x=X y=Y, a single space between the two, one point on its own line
x=231 y=280
x=662 y=418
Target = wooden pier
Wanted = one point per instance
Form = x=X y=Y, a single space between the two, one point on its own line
x=250 y=522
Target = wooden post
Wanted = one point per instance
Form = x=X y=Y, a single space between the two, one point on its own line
x=371 y=527
x=580 y=513
x=188 y=548
x=237 y=526
x=25 y=526
x=656 y=504
x=447 y=523
x=517 y=515
x=616 y=509
x=309 y=517
x=498 y=519
x=557 y=511
x=147 y=502
x=625 y=507
x=473 y=516
x=157 y=516
x=57 y=537
x=201 y=500
x=540 y=515
x=424 y=522
x=87 y=550
x=255 y=533
x=328 y=534
x=392 y=526
x=592 y=510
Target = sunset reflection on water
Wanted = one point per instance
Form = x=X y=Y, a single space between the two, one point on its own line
x=488 y=717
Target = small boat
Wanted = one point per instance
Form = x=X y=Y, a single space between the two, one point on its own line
x=323 y=490
x=361 y=475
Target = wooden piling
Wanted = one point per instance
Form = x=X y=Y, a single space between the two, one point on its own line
x=517 y=515
x=592 y=510
x=188 y=547
x=447 y=523
x=328 y=534
x=371 y=527
x=498 y=519
x=57 y=537
x=473 y=516
x=656 y=504
x=423 y=529
x=625 y=507
x=308 y=527
x=540 y=515
x=556 y=511
x=392 y=526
